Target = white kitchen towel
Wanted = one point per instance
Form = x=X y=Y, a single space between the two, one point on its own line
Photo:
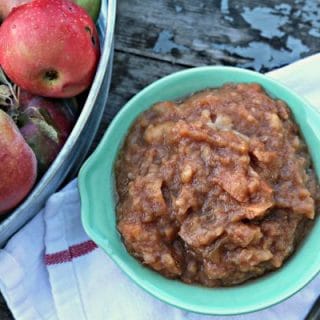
x=51 y=269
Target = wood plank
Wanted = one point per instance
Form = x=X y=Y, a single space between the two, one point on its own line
x=253 y=34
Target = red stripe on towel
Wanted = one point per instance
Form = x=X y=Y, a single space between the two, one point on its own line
x=72 y=252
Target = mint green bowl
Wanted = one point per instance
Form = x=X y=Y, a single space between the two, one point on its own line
x=97 y=189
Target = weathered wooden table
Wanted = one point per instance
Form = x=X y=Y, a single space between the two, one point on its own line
x=158 y=37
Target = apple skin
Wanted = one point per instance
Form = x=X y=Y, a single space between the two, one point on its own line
x=18 y=165
x=49 y=48
x=45 y=125
x=91 y=6
x=62 y=114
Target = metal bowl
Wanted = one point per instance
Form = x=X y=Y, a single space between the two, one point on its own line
x=76 y=147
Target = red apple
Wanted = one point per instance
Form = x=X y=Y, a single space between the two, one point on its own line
x=49 y=48
x=18 y=165
x=45 y=124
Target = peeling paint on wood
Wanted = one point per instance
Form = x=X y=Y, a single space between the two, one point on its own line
x=230 y=30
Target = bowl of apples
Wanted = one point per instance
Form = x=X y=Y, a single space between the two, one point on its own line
x=55 y=70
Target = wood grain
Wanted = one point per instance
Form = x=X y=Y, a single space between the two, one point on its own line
x=206 y=32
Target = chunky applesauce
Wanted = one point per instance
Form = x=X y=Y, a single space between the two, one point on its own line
x=217 y=188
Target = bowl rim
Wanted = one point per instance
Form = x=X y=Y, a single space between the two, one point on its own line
x=118 y=120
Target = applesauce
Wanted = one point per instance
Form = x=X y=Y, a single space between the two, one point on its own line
x=217 y=188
